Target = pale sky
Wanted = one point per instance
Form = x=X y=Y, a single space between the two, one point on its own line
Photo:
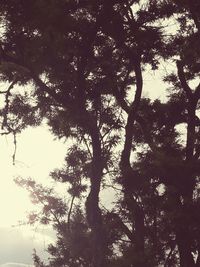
x=38 y=153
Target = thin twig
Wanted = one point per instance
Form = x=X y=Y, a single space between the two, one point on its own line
x=70 y=211
x=15 y=147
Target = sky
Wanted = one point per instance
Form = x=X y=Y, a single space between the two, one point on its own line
x=38 y=153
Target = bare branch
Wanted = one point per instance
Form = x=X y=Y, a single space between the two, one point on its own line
x=6 y=109
x=132 y=116
x=182 y=79
x=123 y=227
x=146 y=132
x=70 y=211
x=15 y=147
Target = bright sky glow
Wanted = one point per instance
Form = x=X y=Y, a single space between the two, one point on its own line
x=38 y=153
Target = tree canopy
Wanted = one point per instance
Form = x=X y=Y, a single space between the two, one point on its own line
x=80 y=65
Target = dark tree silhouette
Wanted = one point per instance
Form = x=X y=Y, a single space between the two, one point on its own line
x=80 y=66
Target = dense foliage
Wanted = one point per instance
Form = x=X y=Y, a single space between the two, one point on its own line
x=80 y=65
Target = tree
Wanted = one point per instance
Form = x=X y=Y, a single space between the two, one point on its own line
x=65 y=72
x=81 y=64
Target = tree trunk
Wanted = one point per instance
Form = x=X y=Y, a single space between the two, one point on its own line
x=183 y=241
x=183 y=235
x=130 y=182
x=93 y=211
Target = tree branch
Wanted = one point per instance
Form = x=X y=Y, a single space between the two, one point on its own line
x=7 y=95
x=131 y=117
x=182 y=79
x=70 y=211
x=123 y=227
x=146 y=133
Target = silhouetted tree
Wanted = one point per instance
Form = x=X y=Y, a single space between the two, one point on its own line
x=80 y=65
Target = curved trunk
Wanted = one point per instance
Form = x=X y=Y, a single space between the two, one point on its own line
x=93 y=210
x=183 y=232
x=129 y=182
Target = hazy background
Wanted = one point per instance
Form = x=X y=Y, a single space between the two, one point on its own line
x=38 y=153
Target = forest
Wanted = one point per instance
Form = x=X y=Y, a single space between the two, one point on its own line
x=79 y=66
